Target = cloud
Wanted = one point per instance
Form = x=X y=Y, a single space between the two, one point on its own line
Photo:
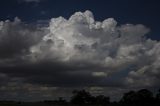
x=81 y=40
x=16 y=37
x=79 y=52
x=99 y=74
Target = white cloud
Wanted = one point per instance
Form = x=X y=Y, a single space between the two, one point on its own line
x=81 y=38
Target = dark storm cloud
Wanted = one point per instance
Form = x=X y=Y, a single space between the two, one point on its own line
x=57 y=74
x=78 y=52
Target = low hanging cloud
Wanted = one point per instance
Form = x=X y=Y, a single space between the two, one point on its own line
x=79 y=52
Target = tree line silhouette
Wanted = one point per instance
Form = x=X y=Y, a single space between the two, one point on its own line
x=142 y=97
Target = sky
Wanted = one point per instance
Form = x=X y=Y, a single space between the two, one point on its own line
x=48 y=48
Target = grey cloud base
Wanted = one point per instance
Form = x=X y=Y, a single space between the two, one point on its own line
x=77 y=53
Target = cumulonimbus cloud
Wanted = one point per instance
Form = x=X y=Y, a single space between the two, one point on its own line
x=81 y=39
x=81 y=51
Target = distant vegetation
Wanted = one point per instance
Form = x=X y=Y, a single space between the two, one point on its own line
x=142 y=97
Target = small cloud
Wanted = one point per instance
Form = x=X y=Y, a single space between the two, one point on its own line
x=99 y=74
